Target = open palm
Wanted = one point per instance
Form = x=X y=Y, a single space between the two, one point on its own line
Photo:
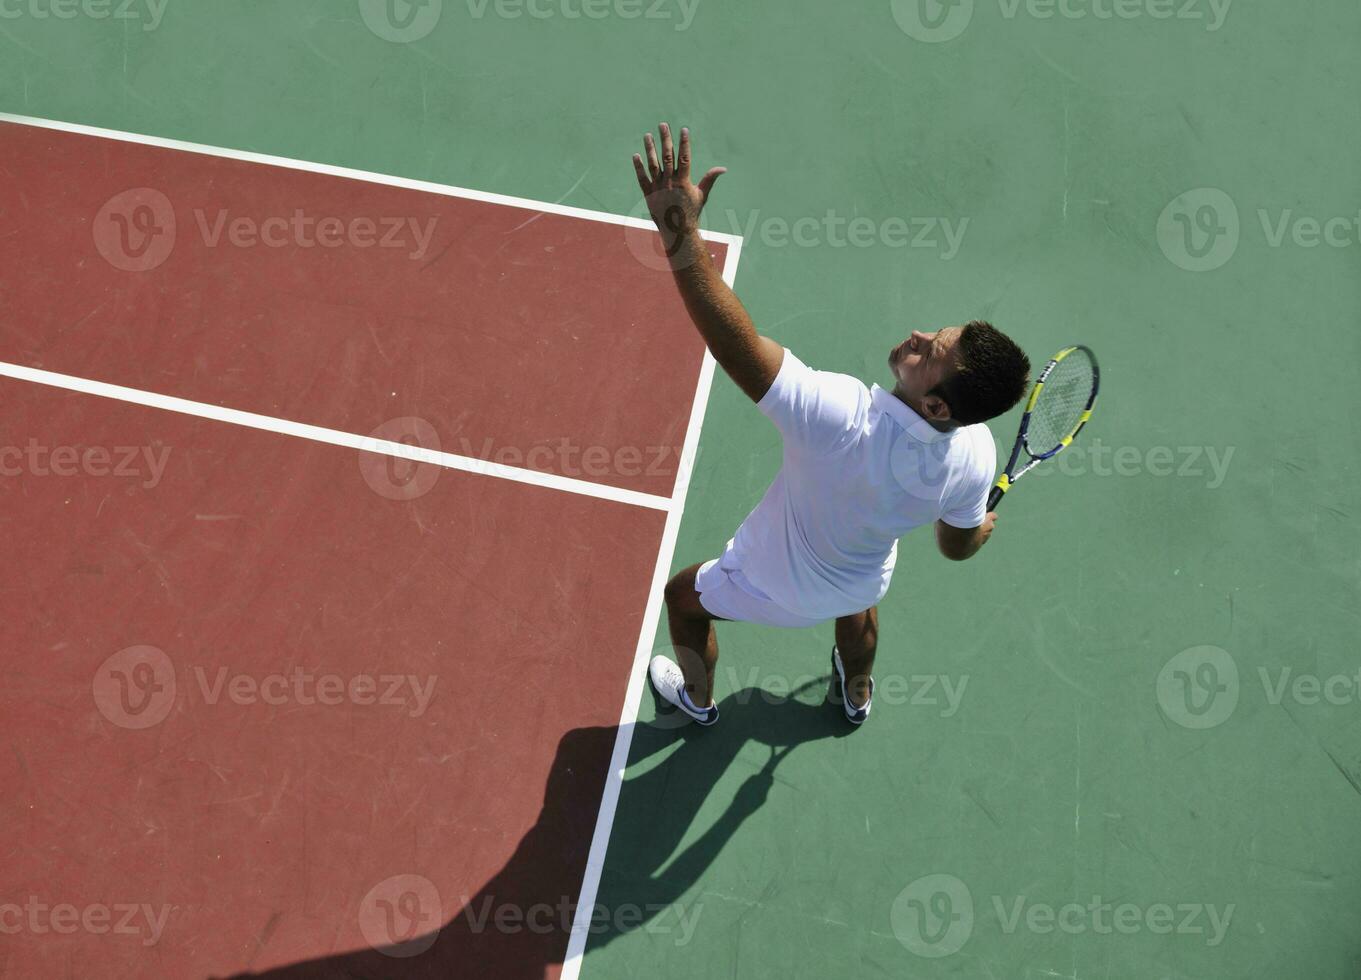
x=672 y=200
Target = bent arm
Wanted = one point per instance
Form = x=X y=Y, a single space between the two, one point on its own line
x=751 y=360
x=961 y=544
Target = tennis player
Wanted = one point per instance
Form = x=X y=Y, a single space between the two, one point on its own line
x=862 y=466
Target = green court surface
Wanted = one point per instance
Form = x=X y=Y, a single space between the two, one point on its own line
x=1125 y=740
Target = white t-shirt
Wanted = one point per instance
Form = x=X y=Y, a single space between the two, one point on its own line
x=860 y=470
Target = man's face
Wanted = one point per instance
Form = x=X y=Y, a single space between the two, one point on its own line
x=923 y=361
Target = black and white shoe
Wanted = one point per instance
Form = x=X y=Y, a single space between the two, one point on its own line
x=669 y=683
x=856 y=716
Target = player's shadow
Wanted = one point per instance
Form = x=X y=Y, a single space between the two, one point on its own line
x=516 y=927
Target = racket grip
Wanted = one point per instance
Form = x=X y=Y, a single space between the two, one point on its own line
x=995 y=497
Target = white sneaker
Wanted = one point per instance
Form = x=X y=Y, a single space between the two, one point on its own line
x=669 y=683
x=856 y=716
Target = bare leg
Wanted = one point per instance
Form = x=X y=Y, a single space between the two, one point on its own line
x=857 y=637
x=692 y=636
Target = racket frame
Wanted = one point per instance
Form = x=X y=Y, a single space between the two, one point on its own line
x=1010 y=474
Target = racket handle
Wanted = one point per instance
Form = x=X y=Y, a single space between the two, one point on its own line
x=995 y=498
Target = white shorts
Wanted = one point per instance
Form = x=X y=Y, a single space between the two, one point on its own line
x=726 y=593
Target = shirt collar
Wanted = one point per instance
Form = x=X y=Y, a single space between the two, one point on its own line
x=906 y=416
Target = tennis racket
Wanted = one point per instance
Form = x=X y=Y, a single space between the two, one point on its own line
x=1059 y=406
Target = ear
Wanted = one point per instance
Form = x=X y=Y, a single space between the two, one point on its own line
x=936 y=409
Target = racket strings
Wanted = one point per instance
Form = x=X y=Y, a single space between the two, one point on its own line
x=1062 y=400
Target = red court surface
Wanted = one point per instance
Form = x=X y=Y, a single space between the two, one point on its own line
x=508 y=329
x=257 y=710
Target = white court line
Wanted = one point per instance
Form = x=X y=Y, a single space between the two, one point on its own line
x=334 y=437
x=628 y=717
x=424 y=186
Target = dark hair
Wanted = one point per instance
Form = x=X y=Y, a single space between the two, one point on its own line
x=991 y=375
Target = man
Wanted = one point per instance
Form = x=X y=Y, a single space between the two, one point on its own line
x=861 y=467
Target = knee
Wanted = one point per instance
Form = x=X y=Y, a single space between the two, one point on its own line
x=680 y=592
x=682 y=598
x=674 y=589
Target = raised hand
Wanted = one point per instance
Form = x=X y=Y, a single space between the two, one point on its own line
x=672 y=200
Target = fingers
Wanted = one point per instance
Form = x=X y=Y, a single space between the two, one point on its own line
x=706 y=183
x=643 y=180
x=670 y=164
x=653 y=166
x=668 y=151
x=683 y=161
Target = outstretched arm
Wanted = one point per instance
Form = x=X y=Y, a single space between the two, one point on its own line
x=752 y=361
